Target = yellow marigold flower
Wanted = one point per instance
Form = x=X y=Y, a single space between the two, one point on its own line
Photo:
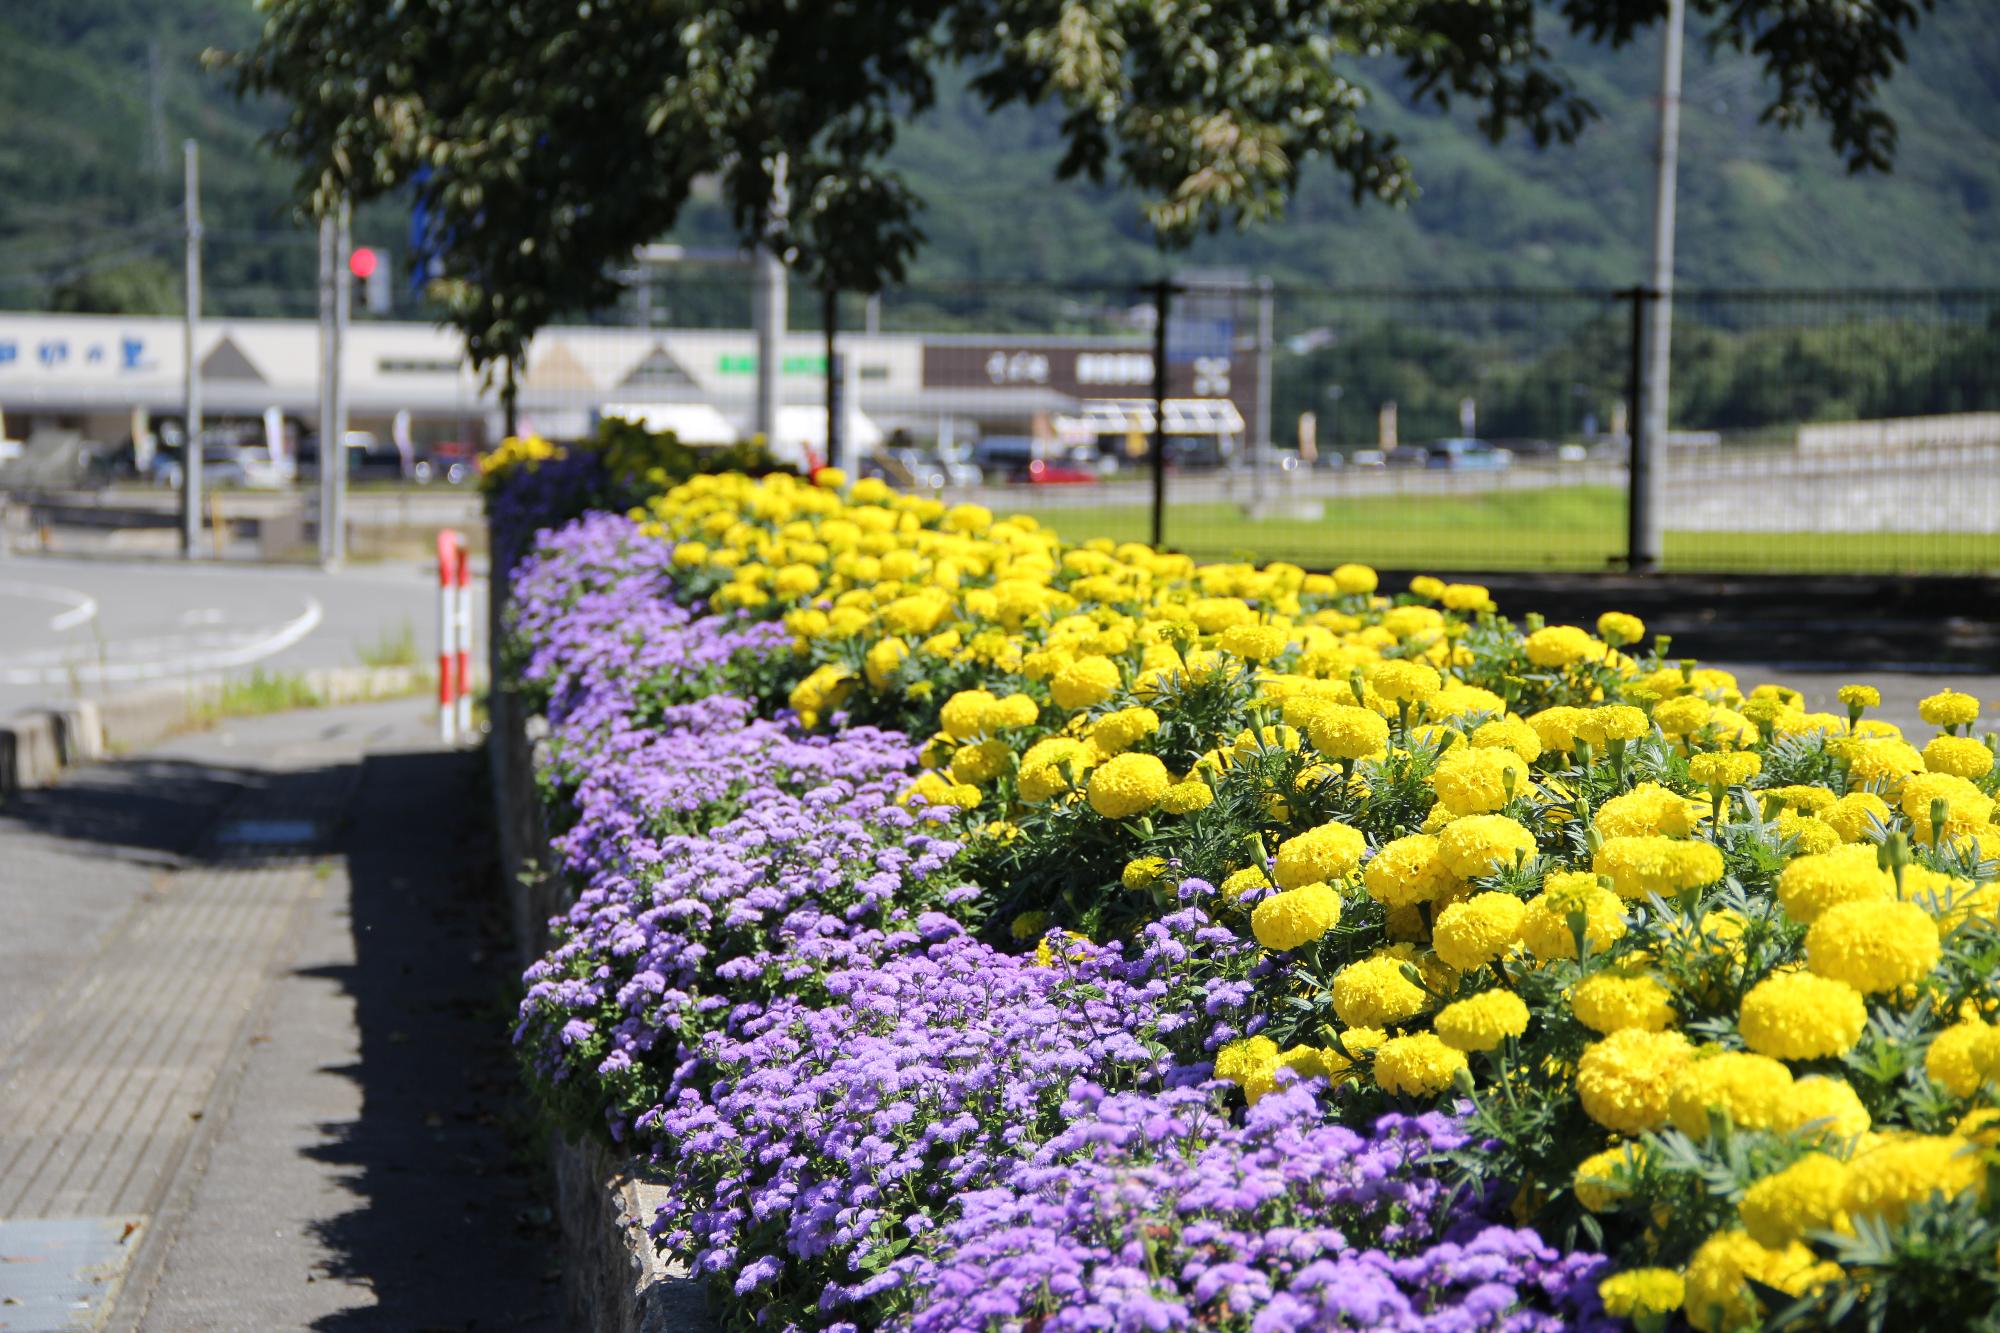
x=1560 y=646
x=1622 y=1080
x=1405 y=682
x=1612 y=722
x=794 y=581
x=1238 y=1059
x=1472 y=933
x=1805 y=800
x=981 y=762
x=1374 y=993
x=933 y=789
x=1646 y=864
x=1143 y=872
x=883 y=659
x=1115 y=733
x=1406 y=871
x=1049 y=767
x=1239 y=882
x=1881 y=761
x=1329 y=852
x=1084 y=683
x=1859 y=696
x=1873 y=946
x=1718 y=1297
x=1016 y=710
x=1481 y=1022
x=1424 y=585
x=1466 y=597
x=1128 y=785
x=1682 y=716
x=1030 y=925
x=1960 y=756
x=1808 y=836
x=1855 y=815
x=1610 y=1002
x=1481 y=844
x=1295 y=917
x=1596 y=1182
x=1949 y=708
x=1556 y=727
x=1649 y=808
x=1255 y=643
x=1509 y=733
x=1618 y=628
x=1642 y=1293
x=1418 y=1065
x=1885 y=1180
x=1967 y=810
x=1750 y=1089
x=1726 y=768
x=1799 y=1016
x=1352 y=579
x=1809 y=885
x=1545 y=925
x=1477 y=781
x=1729 y=727
x=1184 y=798
x=1342 y=731
x=1409 y=623
x=1824 y=1109
x=1952 y=1060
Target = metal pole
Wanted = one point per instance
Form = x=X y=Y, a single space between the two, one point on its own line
x=331 y=449
x=835 y=408
x=1645 y=499
x=1639 y=469
x=191 y=371
x=1162 y=298
x=1260 y=443
x=769 y=314
x=343 y=299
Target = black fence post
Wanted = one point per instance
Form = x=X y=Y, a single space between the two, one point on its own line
x=1162 y=299
x=836 y=409
x=1638 y=445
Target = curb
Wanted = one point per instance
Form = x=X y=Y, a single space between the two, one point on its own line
x=38 y=744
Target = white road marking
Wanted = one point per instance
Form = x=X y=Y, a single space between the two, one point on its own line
x=208 y=615
x=219 y=659
x=82 y=606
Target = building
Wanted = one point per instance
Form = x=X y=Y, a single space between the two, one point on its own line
x=107 y=376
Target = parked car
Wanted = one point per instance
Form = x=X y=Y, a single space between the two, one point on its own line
x=1468 y=455
x=1043 y=472
x=453 y=462
x=227 y=459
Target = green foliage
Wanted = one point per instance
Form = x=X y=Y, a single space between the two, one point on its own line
x=547 y=140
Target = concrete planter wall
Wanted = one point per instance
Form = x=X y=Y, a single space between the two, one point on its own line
x=613 y=1279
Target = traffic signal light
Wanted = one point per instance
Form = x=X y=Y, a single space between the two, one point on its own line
x=371 y=267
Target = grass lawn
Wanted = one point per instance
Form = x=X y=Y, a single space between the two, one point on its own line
x=1568 y=528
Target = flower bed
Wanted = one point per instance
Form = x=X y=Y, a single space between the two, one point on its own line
x=975 y=932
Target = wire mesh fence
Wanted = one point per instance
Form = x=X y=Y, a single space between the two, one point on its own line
x=1454 y=430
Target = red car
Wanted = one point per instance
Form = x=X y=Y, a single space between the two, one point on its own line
x=1041 y=472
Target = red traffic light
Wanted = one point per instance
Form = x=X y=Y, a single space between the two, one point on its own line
x=362 y=262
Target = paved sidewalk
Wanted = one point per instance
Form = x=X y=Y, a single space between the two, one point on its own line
x=253 y=1071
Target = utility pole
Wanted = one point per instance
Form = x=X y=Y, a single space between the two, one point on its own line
x=1260 y=443
x=335 y=240
x=836 y=409
x=1649 y=420
x=1163 y=294
x=769 y=312
x=191 y=370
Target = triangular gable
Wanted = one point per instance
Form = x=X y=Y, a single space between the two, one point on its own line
x=557 y=369
x=657 y=370
x=226 y=361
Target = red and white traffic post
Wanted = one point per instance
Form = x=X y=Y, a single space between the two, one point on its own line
x=454 y=637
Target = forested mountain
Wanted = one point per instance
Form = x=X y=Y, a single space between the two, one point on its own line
x=96 y=96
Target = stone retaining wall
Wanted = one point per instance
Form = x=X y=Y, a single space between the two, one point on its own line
x=613 y=1279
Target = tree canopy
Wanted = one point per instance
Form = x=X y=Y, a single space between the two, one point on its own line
x=544 y=140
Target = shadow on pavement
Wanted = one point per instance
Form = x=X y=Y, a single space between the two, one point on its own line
x=452 y=1231
x=149 y=811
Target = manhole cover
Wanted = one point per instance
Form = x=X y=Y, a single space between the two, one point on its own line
x=268 y=832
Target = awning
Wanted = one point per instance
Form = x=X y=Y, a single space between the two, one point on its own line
x=1126 y=416
x=691 y=423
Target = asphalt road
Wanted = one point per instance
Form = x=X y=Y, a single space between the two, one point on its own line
x=93 y=627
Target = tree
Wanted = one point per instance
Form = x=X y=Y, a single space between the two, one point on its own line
x=543 y=140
